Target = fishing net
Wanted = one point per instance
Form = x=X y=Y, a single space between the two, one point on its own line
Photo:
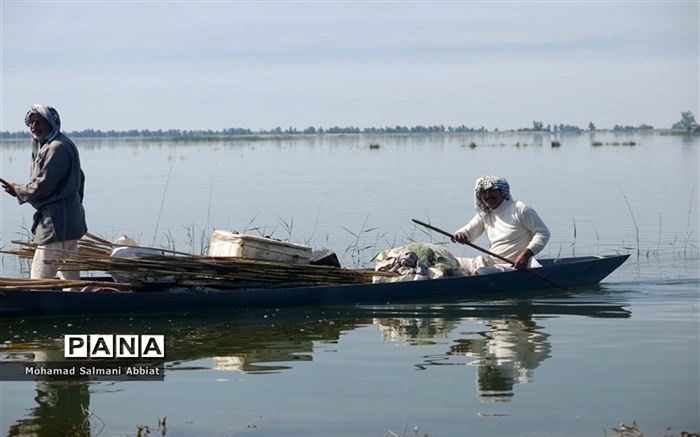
x=417 y=261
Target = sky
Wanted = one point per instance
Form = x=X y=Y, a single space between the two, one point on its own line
x=258 y=65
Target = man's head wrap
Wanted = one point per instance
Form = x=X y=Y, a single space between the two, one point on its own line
x=50 y=114
x=486 y=182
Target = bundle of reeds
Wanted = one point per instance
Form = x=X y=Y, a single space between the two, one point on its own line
x=11 y=284
x=193 y=270
x=94 y=254
x=90 y=246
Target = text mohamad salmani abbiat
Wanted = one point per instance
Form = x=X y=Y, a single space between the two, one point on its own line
x=92 y=371
x=83 y=370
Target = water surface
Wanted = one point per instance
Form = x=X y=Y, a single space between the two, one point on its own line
x=571 y=363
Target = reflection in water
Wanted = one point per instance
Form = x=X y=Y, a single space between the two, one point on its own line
x=505 y=353
x=416 y=330
x=251 y=361
x=255 y=347
x=508 y=352
x=502 y=339
x=62 y=408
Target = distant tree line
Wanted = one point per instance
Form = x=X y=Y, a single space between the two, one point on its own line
x=177 y=133
x=687 y=122
x=144 y=133
x=538 y=126
x=642 y=126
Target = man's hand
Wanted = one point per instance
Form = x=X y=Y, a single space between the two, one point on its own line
x=9 y=187
x=523 y=259
x=460 y=237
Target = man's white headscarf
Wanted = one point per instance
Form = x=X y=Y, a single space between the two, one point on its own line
x=486 y=182
x=50 y=114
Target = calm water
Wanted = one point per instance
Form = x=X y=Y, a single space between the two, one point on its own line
x=549 y=364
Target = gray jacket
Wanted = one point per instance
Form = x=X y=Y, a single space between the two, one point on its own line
x=55 y=190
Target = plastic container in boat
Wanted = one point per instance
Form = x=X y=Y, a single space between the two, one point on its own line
x=228 y=244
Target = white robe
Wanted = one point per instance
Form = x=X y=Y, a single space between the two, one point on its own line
x=510 y=228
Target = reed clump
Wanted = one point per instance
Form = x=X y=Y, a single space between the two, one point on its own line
x=414 y=432
x=615 y=143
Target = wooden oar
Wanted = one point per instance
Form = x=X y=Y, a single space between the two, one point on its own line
x=469 y=243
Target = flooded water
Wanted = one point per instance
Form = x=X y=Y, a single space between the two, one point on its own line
x=566 y=363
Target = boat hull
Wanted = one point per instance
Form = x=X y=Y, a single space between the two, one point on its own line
x=570 y=272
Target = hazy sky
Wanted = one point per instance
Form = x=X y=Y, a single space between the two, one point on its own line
x=211 y=65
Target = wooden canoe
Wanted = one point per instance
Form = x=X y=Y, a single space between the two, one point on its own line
x=570 y=272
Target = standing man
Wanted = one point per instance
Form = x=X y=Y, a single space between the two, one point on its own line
x=55 y=190
x=514 y=230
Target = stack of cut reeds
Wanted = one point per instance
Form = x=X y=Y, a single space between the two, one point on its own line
x=90 y=246
x=210 y=270
x=12 y=284
x=94 y=254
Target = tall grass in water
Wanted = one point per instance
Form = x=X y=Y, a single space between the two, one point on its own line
x=658 y=243
x=23 y=234
x=688 y=231
x=197 y=244
x=634 y=220
x=288 y=227
x=248 y=228
x=211 y=193
x=162 y=202
x=369 y=240
x=354 y=249
x=310 y=239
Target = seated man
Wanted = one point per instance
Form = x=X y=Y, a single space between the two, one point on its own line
x=514 y=230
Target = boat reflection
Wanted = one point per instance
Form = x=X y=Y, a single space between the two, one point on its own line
x=502 y=339
x=506 y=341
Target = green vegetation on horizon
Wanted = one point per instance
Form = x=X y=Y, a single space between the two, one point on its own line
x=687 y=123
